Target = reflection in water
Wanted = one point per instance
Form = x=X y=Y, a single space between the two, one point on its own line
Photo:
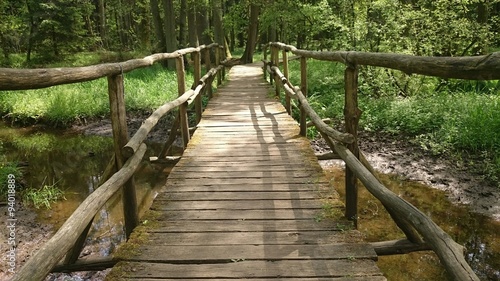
x=476 y=232
x=75 y=163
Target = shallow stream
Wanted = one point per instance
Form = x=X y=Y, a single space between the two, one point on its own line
x=74 y=163
x=479 y=234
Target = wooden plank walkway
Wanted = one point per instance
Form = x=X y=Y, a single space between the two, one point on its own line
x=243 y=202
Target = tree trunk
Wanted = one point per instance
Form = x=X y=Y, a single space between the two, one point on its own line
x=202 y=23
x=182 y=24
x=482 y=19
x=102 y=24
x=253 y=29
x=192 y=32
x=217 y=21
x=160 y=42
x=143 y=28
x=170 y=35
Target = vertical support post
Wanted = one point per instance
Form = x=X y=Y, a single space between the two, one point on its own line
x=207 y=67
x=197 y=76
x=223 y=57
x=288 y=105
x=217 y=63
x=276 y=62
x=264 y=50
x=181 y=86
x=303 y=88
x=271 y=62
x=120 y=138
x=351 y=114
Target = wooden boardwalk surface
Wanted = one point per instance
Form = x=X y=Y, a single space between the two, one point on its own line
x=244 y=202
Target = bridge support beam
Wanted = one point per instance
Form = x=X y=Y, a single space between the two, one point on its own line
x=120 y=139
x=181 y=86
x=351 y=114
x=303 y=88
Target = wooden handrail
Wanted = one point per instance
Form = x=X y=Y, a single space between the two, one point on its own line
x=485 y=67
x=23 y=79
x=42 y=262
x=449 y=252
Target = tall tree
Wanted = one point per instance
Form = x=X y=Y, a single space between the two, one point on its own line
x=217 y=21
x=253 y=30
x=170 y=34
x=182 y=24
x=192 y=26
x=160 y=42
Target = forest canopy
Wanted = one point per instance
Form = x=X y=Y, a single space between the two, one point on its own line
x=50 y=29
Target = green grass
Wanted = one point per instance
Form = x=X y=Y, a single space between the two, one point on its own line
x=60 y=106
x=42 y=197
x=462 y=118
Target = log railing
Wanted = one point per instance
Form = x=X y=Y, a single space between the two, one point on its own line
x=61 y=252
x=421 y=232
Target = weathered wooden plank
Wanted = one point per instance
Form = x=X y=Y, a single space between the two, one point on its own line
x=188 y=163
x=239 y=205
x=255 y=269
x=250 y=158
x=349 y=278
x=243 y=152
x=264 y=183
x=203 y=186
x=241 y=168
x=243 y=175
x=239 y=214
x=226 y=253
x=259 y=226
x=246 y=238
x=232 y=195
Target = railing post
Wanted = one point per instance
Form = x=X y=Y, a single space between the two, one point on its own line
x=207 y=67
x=197 y=76
x=181 y=86
x=223 y=57
x=351 y=114
x=288 y=104
x=276 y=62
x=264 y=50
x=217 y=63
x=120 y=138
x=303 y=88
x=271 y=60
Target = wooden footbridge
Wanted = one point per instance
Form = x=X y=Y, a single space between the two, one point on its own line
x=244 y=202
x=247 y=200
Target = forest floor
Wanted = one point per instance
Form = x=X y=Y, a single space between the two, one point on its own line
x=388 y=154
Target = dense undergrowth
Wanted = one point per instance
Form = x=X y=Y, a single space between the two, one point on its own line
x=459 y=118
x=60 y=106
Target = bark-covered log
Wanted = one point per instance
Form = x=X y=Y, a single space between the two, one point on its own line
x=398 y=247
x=472 y=67
x=94 y=264
x=42 y=262
x=138 y=138
x=22 y=79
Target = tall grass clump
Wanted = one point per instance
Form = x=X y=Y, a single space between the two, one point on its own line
x=145 y=90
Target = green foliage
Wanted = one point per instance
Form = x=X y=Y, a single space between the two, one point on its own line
x=42 y=197
x=461 y=117
x=145 y=90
